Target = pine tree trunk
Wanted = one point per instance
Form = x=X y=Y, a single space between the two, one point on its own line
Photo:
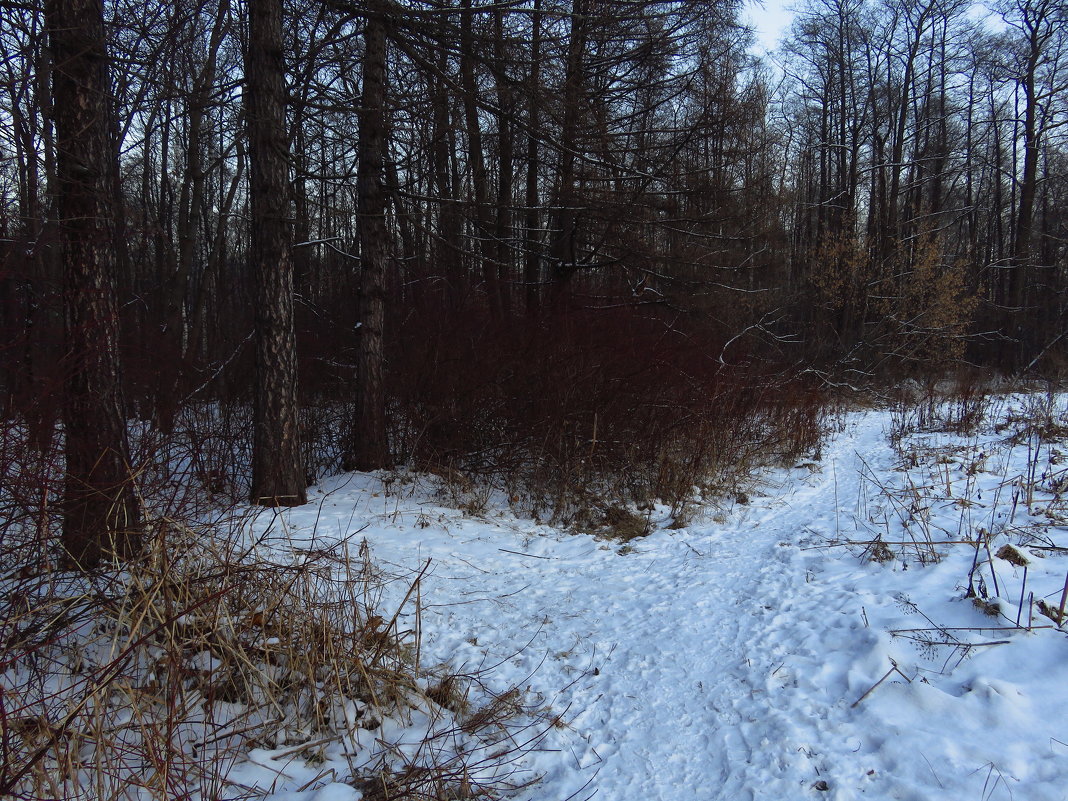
x=277 y=475
x=100 y=514
x=532 y=221
x=369 y=449
x=476 y=160
x=563 y=251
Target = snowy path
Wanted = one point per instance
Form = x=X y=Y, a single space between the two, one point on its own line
x=676 y=660
x=715 y=663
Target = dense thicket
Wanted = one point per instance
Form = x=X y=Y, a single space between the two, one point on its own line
x=508 y=195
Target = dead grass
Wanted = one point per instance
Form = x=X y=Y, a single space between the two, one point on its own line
x=156 y=678
x=612 y=522
x=1012 y=555
x=1005 y=477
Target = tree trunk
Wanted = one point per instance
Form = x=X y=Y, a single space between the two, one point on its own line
x=277 y=475
x=1025 y=211
x=369 y=449
x=446 y=257
x=564 y=252
x=100 y=514
x=476 y=160
x=506 y=108
x=532 y=222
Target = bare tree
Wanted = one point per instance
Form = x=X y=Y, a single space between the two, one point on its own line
x=1040 y=61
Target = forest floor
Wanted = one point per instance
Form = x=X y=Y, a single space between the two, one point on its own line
x=812 y=638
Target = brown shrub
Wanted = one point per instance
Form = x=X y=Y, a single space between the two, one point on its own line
x=616 y=405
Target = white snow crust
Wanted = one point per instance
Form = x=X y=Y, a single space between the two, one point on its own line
x=750 y=655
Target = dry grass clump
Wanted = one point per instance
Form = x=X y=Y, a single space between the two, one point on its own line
x=1003 y=472
x=1012 y=555
x=157 y=678
x=879 y=551
x=1039 y=420
x=612 y=522
x=960 y=404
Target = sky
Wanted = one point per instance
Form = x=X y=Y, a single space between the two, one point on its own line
x=769 y=19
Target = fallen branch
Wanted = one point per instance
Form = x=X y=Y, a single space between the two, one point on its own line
x=870 y=690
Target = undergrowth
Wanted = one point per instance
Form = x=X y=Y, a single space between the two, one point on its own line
x=588 y=411
x=219 y=657
x=982 y=477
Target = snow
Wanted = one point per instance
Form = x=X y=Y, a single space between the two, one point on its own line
x=827 y=635
x=751 y=655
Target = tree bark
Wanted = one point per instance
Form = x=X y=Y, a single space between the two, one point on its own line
x=100 y=515
x=476 y=160
x=447 y=248
x=1021 y=247
x=278 y=478
x=532 y=221
x=369 y=449
x=563 y=251
x=506 y=108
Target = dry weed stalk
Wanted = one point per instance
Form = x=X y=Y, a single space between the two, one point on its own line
x=1016 y=529
x=153 y=679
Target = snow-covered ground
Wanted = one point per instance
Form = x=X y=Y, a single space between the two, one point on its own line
x=760 y=652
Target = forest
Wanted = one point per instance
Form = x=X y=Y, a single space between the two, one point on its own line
x=439 y=400
x=556 y=244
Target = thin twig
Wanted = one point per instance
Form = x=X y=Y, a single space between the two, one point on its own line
x=870 y=690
